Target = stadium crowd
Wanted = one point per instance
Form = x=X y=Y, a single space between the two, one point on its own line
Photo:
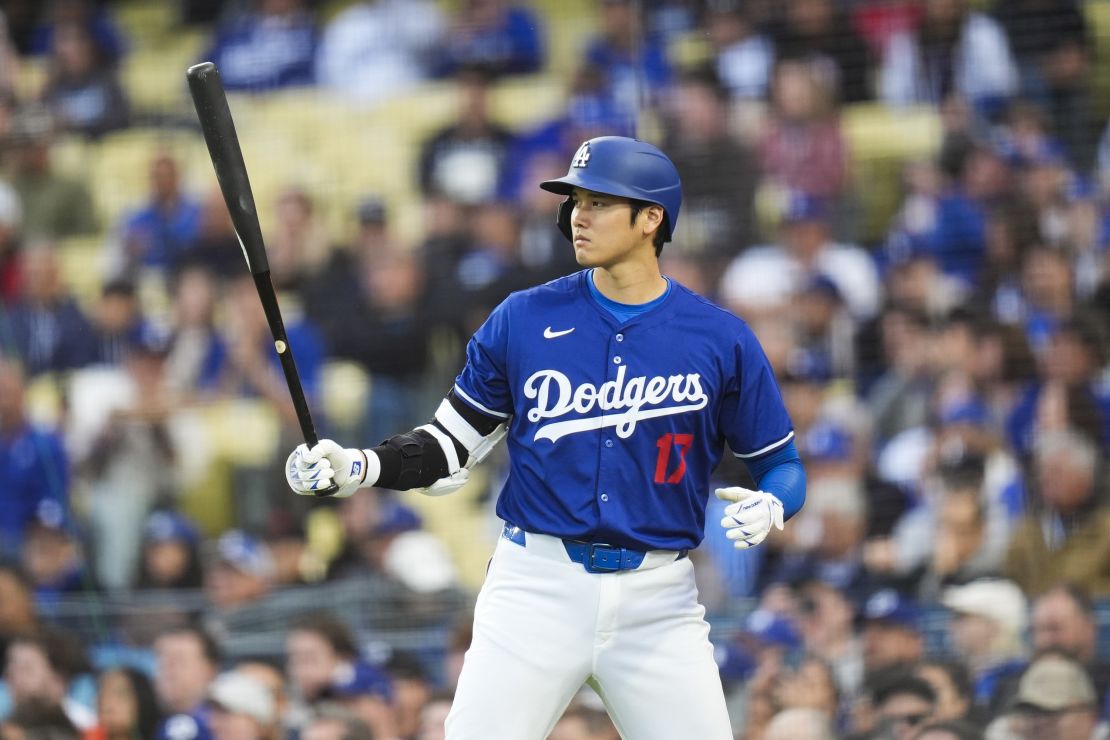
x=941 y=331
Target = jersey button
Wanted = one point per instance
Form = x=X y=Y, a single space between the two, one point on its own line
x=620 y=337
x=617 y=360
x=608 y=443
x=604 y=497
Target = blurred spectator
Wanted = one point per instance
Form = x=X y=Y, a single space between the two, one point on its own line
x=412 y=690
x=297 y=243
x=802 y=147
x=40 y=667
x=799 y=723
x=269 y=676
x=217 y=246
x=131 y=460
x=582 y=722
x=82 y=90
x=891 y=631
x=47 y=329
x=503 y=37
x=465 y=161
x=159 y=233
x=241 y=572
x=953 y=730
x=810 y=685
x=1063 y=619
x=17 y=606
x=270 y=45
x=92 y=16
x=904 y=703
x=743 y=55
x=1054 y=699
x=197 y=350
x=1054 y=54
x=390 y=340
x=170 y=555
x=317 y=647
x=332 y=722
x=187 y=659
x=751 y=664
x=952 y=685
x=543 y=248
x=371 y=51
x=240 y=708
x=826 y=622
x=632 y=63
x=54 y=205
x=764 y=280
x=987 y=629
x=1060 y=539
x=817 y=35
x=254 y=368
x=33 y=463
x=11 y=217
x=37 y=718
x=52 y=555
x=899 y=398
x=126 y=706
x=433 y=716
x=117 y=321
x=955 y=51
x=719 y=175
x=10 y=62
x=367 y=692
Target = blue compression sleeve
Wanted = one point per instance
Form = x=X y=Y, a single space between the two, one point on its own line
x=781 y=473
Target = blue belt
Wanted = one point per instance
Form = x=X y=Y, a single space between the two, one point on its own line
x=595 y=557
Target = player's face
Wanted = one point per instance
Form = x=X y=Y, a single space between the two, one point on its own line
x=604 y=234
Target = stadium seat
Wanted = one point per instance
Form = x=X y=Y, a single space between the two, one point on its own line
x=881 y=140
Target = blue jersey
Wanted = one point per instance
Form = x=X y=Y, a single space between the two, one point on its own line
x=616 y=427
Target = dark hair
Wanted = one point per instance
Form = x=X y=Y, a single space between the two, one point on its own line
x=330 y=627
x=903 y=682
x=208 y=645
x=63 y=651
x=958 y=727
x=957 y=674
x=43 y=720
x=660 y=236
x=146 y=702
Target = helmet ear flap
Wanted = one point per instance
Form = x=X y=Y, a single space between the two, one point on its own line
x=562 y=218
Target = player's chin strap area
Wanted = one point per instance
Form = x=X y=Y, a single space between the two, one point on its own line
x=427 y=459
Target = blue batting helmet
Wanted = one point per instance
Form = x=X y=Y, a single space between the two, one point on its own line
x=627 y=168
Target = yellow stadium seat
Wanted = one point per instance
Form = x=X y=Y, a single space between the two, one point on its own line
x=345 y=387
x=82 y=267
x=881 y=141
x=1097 y=13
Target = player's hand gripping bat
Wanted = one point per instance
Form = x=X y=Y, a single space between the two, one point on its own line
x=207 y=90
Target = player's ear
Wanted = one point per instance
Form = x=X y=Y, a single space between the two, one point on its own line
x=652 y=217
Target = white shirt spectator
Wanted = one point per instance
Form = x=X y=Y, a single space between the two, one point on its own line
x=766 y=278
x=983 y=66
x=371 y=51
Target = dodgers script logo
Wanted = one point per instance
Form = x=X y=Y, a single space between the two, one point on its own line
x=621 y=403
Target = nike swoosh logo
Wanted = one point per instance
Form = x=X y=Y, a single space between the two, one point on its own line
x=548 y=334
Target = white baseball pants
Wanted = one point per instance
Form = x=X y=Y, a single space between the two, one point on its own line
x=543 y=627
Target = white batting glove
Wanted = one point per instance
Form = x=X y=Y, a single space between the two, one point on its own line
x=750 y=516
x=308 y=471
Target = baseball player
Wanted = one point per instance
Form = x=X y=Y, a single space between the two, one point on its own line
x=617 y=390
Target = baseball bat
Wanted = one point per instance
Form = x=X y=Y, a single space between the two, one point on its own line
x=210 y=100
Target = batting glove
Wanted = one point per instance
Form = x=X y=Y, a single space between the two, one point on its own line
x=748 y=519
x=308 y=471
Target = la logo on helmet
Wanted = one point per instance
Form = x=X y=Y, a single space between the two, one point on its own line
x=582 y=158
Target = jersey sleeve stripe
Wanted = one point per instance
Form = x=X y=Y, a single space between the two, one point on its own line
x=477 y=405
x=768 y=448
x=457 y=426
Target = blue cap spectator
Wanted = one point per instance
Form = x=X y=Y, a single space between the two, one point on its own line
x=890 y=606
x=169 y=526
x=362 y=679
x=771 y=630
x=827 y=441
x=245 y=553
x=801 y=206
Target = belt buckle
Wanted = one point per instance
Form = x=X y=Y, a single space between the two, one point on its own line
x=591 y=560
